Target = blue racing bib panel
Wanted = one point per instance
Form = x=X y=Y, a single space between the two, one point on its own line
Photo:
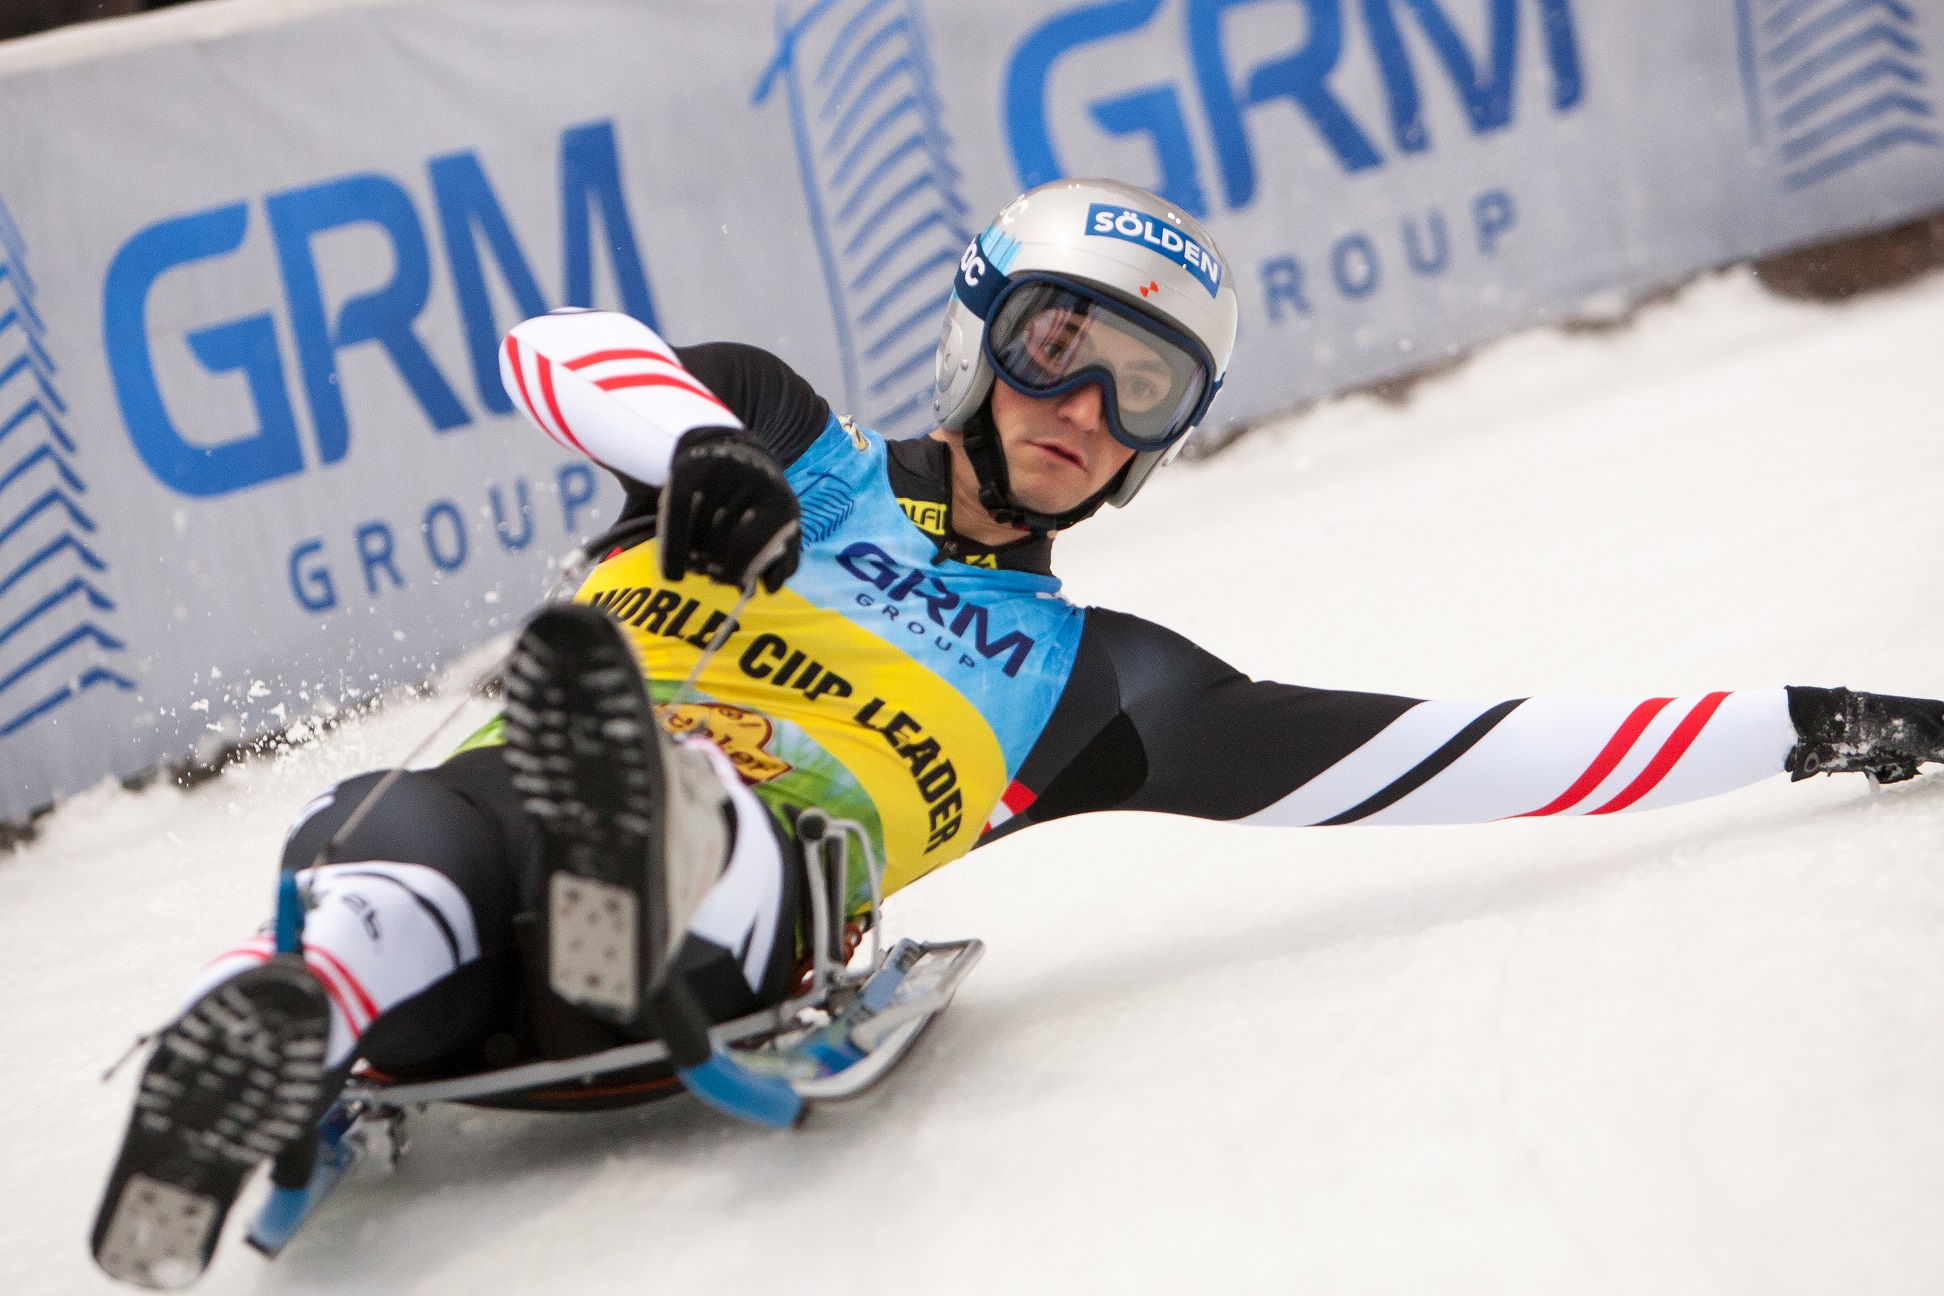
x=879 y=685
x=1004 y=640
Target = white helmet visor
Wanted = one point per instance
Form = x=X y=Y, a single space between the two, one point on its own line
x=1046 y=337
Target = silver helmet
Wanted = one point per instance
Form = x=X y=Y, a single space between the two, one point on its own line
x=1115 y=257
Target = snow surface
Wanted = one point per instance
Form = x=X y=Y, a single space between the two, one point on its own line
x=1697 y=1050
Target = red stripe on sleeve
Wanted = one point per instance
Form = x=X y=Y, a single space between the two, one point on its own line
x=1669 y=755
x=1017 y=797
x=547 y=390
x=624 y=353
x=526 y=397
x=1604 y=764
x=661 y=380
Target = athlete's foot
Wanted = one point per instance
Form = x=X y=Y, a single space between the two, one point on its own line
x=232 y=1082
x=598 y=778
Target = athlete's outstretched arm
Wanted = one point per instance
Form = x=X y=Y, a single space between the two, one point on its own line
x=1151 y=722
x=1467 y=762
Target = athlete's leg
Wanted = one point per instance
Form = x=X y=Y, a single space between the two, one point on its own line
x=407 y=946
x=653 y=854
x=410 y=926
x=740 y=951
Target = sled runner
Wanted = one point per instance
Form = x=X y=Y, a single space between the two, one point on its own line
x=827 y=1048
x=838 y=1039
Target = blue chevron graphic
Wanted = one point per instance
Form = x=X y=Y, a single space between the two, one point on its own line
x=53 y=549
x=827 y=504
x=875 y=160
x=53 y=647
x=1831 y=84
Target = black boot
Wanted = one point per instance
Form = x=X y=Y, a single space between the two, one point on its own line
x=634 y=830
x=1841 y=732
x=232 y=1082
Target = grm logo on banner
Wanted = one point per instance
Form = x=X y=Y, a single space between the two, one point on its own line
x=1228 y=95
x=52 y=648
x=1230 y=98
x=468 y=211
x=474 y=227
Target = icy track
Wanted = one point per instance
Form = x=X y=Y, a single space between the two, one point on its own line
x=1698 y=1050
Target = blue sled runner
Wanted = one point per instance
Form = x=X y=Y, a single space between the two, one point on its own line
x=830 y=1044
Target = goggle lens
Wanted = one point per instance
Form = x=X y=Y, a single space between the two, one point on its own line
x=1046 y=339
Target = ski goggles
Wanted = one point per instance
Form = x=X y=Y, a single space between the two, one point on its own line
x=1049 y=337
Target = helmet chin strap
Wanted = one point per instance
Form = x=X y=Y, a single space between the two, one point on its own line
x=988 y=459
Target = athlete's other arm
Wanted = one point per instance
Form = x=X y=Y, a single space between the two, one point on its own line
x=701 y=434
x=1152 y=722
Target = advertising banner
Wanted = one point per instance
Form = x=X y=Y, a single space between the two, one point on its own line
x=255 y=259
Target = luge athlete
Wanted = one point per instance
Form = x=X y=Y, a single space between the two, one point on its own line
x=907 y=663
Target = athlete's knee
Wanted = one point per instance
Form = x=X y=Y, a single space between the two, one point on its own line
x=379 y=933
x=416 y=820
x=375 y=935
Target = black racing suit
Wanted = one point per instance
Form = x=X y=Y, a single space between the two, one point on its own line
x=1025 y=710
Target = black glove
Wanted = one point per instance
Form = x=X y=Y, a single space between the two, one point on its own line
x=727 y=509
x=1841 y=732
